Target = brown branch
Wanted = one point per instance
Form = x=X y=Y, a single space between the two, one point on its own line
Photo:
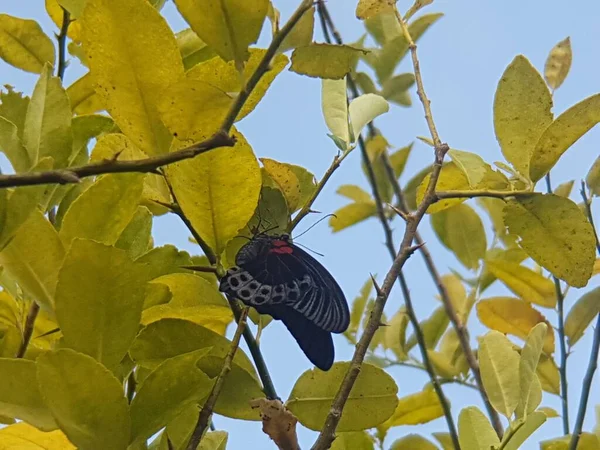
x=209 y=404
x=28 y=329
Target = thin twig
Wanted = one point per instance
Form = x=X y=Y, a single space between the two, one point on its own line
x=593 y=363
x=209 y=404
x=562 y=341
x=441 y=195
x=62 y=44
x=28 y=329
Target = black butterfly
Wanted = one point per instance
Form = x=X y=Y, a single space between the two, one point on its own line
x=282 y=280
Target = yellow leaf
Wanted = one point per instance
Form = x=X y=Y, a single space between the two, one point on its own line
x=371 y=402
x=558 y=63
x=550 y=413
x=301 y=34
x=351 y=215
x=412 y=442
x=325 y=60
x=561 y=134
x=224 y=76
x=547 y=372
x=596 y=269
x=555 y=233
x=587 y=441
x=531 y=389
x=433 y=328
x=352 y=440
x=215 y=318
x=228 y=26
x=370 y=8
x=394 y=337
x=287 y=181
x=24 y=45
x=523 y=429
x=521 y=112
x=524 y=282
x=131 y=66
x=354 y=192
x=458 y=295
x=473 y=166
x=84 y=99
x=445 y=440
x=442 y=365
x=26 y=437
x=564 y=189
x=452 y=178
x=475 y=432
x=415 y=409
x=203 y=187
x=460 y=230
x=193 y=49
x=581 y=315
x=513 y=316
x=499 y=364
x=55 y=12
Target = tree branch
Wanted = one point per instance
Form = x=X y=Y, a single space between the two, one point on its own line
x=593 y=363
x=28 y=329
x=209 y=404
x=62 y=43
x=441 y=195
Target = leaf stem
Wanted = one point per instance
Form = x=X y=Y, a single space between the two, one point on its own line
x=209 y=404
x=441 y=195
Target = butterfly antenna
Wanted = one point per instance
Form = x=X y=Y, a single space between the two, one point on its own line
x=315 y=224
x=309 y=249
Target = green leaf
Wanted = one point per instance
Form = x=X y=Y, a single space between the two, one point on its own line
x=13 y=107
x=136 y=238
x=558 y=64
x=103 y=211
x=581 y=315
x=24 y=45
x=433 y=328
x=461 y=231
x=412 y=442
x=531 y=391
x=475 y=432
x=84 y=99
x=527 y=284
x=399 y=158
x=564 y=189
x=21 y=259
x=13 y=147
x=353 y=440
x=473 y=166
x=395 y=334
x=445 y=440
x=520 y=431
x=24 y=436
x=364 y=109
x=325 y=60
x=522 y=111
x=383 y=27
x=371 y=401
x=410 y=190
x=193 y=49
x=351 y=215
x=203 y=188
x=358 y=307
x=301 y=34
x=334 y=103
x=593 y=178
x=451 y=178
x=561 y=134
x=214 y=440
x=549 y=375
x=286 y=180
x=395 y=89
x=99 y=295
x=174 y=385
x=92 y=415
x=47 y=129
x=19 y=394
x=499 y=365
x=555 y=233
x=229 y=27
x=168 y=338
x=131 y=69
x=354 y=192
x=164 y=260
x=415 y=409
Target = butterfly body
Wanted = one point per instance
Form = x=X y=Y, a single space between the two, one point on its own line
x=282 y=280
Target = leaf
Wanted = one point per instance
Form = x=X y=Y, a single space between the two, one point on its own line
x=412 y=442
x=433 y=328
x=475 y=432
x=499 y=365
x=383 y=27
x=354 y=192
x=531 y=390
x=562 y=133
x=12 y=147
x=173 y=386
x=473 y=166
x=24 y=45
x=24 y=436
x=495 y=209
x=522 y=111
x=593 y=178
x=399 y=158
x=395 y=334
x=168 y=338
x=372 y=399
x=193 y=49
x=524 y=430
x=228 y=26
x=587 y=441
x=558 y=64
x=47 y=129
x=214 y=440
x=301 y=34
x=137 y=236
x=358 y=307
x=131 y=66
x=83 y=97
x=92 y=415
x=103 y=211
x=529 y=285
x=564 y=189
x=451 y=178
x=19 y=394
x=353 y=440
x=395 y=89
x=547 y=372
x=445 y=440
x=460 y=230
x=370 y=8
x=581 y=315
x=415 y=409
x=286 y=179
x=225 y=76
x=364 y=109
x=203 y=187
x=334 y=103
x=351 y=215
x=20 y=259
x=99 y=295
x=513 y=316
x=325 y=60
x=555 y=233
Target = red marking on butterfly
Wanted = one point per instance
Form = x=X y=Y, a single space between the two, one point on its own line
x=281 y=247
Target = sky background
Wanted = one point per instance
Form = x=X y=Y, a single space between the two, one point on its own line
x=462 y=58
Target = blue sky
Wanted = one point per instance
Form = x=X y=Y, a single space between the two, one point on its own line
x=462 y=58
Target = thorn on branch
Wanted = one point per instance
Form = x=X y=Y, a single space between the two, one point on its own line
x=378 y=290
x=405 y=216
x=415 y=247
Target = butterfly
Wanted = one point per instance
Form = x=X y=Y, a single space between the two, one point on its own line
x=280 y=279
